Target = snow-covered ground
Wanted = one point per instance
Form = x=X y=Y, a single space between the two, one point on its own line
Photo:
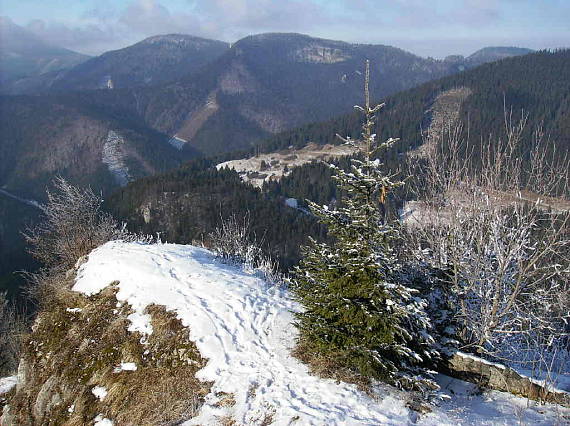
x=7 y=383
x=274 y=165
x=242 y=325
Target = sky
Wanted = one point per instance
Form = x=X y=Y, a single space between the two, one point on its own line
x=434 y=28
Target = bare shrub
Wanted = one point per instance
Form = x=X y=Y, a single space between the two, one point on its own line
x=73 y=225
x=234 y=242
x=503 y=239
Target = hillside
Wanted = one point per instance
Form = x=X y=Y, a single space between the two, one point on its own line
x=262 y=85
x=47 y=137
x=186 y=205
x=70 y=134
x=233 y=331
x=491 y=54
x=24 y=55
x=265 y=84
x=537 y=84
x=153 y=61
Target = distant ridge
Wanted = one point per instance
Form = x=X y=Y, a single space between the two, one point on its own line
x=23 y=54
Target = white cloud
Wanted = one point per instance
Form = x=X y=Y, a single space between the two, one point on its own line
x=434 y=28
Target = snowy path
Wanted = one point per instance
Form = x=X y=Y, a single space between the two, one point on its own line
x=243 y=327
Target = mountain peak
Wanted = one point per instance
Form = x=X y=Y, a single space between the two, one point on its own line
x=176 y=39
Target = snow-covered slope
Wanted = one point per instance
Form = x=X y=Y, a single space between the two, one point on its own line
x=242 y=325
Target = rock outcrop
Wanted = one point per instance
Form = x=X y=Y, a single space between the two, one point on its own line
x=499 y=377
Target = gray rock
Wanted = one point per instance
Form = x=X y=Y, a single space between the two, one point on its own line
x=501 y=378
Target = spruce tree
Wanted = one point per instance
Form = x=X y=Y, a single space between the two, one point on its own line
x=357 y=307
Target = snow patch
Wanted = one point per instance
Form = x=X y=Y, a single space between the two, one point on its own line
x=100 y=392
x=140 y=322
x=113 y=157
x=7 y=383
x=177 y=142
x=274 y=165
x=125 y=366
x=481 y=360
x=292 y=202
x=102 y=421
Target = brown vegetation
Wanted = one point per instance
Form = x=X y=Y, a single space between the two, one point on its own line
x=80 y=342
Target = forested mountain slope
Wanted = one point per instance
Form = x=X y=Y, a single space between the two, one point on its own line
x=187 y=204
x=290 y=76
x=262 y=85
x=153 y=61
x=491 y=54
x=266 y=84
x=539 y=83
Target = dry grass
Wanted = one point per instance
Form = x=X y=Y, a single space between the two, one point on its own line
x=226 y=421
x=78 y=342
x=328 y=368
x=225 y=400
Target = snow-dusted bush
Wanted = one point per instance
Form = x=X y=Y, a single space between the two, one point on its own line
x=234 y=242
x=503 y=244
x=72 y=225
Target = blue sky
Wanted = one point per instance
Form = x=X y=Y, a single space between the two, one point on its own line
x=429 y=28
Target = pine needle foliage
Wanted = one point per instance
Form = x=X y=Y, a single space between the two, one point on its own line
x=357 y=307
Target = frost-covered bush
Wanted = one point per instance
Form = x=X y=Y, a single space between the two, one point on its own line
x=504 y=244
x=73 y=224
x=234 y=242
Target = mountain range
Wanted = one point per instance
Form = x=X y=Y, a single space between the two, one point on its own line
x=173 y=98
